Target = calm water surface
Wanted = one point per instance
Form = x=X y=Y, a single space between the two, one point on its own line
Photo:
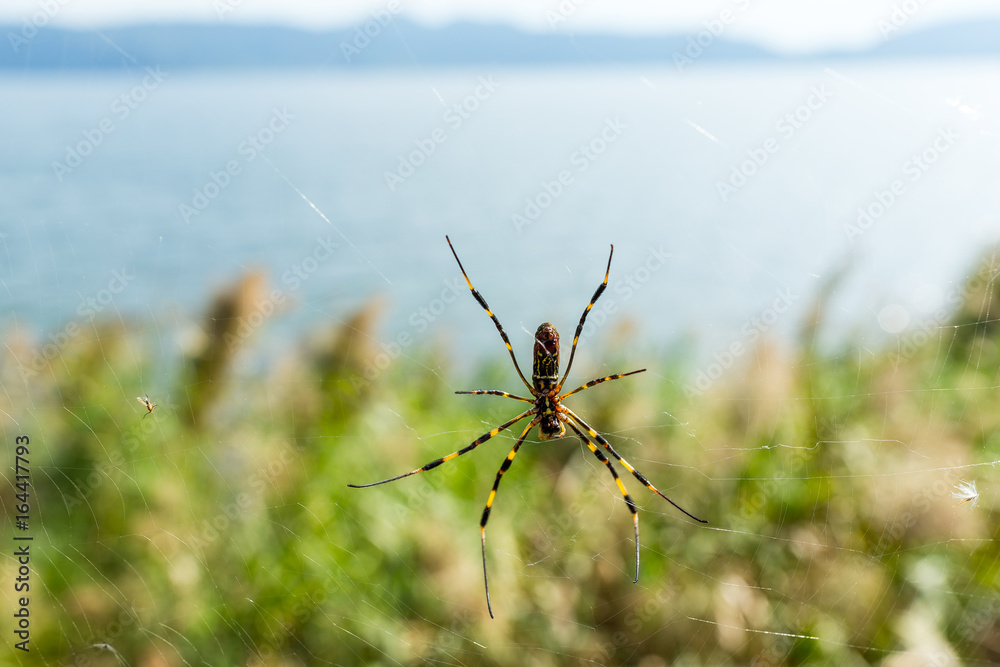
x=723 y=190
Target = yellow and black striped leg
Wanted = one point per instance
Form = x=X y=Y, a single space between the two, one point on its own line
x=635 y=473
x=586 y=311
x=436 y=462
x=489 y=505
x=497 y=392
x=482 y=302
x=590 y=384
x=621 y=487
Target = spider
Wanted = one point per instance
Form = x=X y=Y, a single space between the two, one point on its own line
x=547 y=413
x=148 y=403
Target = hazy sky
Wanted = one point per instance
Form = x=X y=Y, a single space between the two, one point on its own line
x=787 y=25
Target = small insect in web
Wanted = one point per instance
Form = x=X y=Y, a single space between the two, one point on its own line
x=966 y=492
x=548 y=413
x=110 y=649
x=148 y=403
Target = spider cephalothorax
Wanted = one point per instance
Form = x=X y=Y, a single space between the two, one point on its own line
x=547 y=413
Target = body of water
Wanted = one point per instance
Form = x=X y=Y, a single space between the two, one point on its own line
x=731 y=194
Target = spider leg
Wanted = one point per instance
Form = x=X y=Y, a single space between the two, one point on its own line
x=436 y=462
x=621 y=487
x=586 y=311
x=590 y=384
x=489 y=504
x=482 y=302
x=497 y=392
x=635 y=473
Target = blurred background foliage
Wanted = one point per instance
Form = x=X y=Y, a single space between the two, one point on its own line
x=220 y=529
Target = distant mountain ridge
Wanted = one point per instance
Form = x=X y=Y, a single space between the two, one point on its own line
x=388 y=41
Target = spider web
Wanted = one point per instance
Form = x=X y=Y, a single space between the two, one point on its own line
x=817 y=386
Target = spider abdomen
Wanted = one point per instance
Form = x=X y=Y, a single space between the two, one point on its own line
x=545 y=370
x=545 y=378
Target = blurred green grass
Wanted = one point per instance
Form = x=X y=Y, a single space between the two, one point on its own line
x=220 y=529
